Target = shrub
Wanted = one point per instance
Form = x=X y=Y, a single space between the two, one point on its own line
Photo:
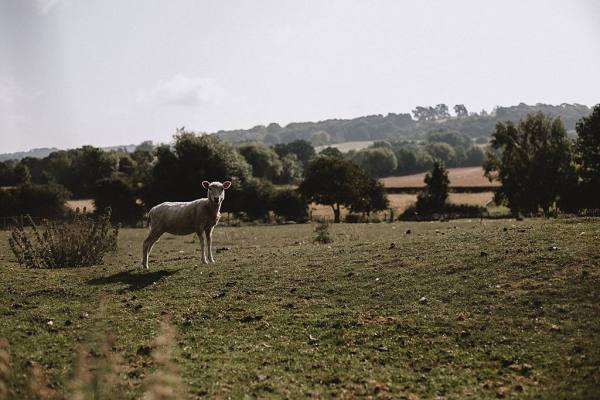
x=43 y=201
x=352 y=218
x=450 y=211
x=117 y=194
x=322 y=231
x=80 y=242
x=291 y=205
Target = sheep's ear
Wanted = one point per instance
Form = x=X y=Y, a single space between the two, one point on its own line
x=226 y=185
x=205 y=184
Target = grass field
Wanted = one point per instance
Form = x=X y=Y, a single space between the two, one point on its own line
x=465 y=177
x=450 y=310
x=347 y=146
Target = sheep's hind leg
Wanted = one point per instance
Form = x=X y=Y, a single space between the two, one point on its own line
x=202 y=252
x=152 y=238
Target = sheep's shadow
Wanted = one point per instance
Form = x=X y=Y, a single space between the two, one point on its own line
x=135 y=279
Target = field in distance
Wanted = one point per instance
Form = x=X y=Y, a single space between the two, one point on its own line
x=346 y=146
x=464 y=177
x=460 y=309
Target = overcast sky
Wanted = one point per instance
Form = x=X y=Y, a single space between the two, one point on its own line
x=118 y=72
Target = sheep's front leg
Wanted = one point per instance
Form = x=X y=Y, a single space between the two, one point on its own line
x=209 y=232
x=202 y=253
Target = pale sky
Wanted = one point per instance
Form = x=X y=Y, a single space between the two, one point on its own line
x=118 y=72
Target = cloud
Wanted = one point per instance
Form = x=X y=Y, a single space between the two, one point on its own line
x=181 y=90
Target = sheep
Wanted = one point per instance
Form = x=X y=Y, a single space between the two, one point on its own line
x=183 y=218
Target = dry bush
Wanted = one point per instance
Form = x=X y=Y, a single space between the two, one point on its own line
x=166 y=382
x=80 y=242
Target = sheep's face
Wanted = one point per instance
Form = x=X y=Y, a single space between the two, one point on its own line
x=216 y=190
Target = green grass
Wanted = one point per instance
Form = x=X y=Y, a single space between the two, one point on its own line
x=511 y=309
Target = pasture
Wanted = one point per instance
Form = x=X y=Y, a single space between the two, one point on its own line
x=461 y=177
x=462 y=309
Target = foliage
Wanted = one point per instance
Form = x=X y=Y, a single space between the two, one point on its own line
x=433 y=198
x=254 y=199
x=588 y=158
x=371 y=197
x=290 y=204
x=532 y=160
x=264 y=160
x=39 y=201
x=80 y=242
x=332 y=152
x=323 y=235
x=301 y=148
x=121 y=198
x=377 y=161
x=401 y=127
x=334 y=182
x=291 y=169
x=178 y=172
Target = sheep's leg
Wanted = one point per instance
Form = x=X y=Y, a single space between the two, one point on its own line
x=152 y=238
x=202 y=252
x=209 y=232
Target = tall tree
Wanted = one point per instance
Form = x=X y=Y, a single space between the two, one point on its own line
x=378 y=162
x=333 y=182
x=588 y=157
x=461 y=110
x=264 y=161
x=435 y=195
x=301 y=148
x=532 y=161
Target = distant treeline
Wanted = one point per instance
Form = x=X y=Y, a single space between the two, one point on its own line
x=403 y=126
x=534 y=153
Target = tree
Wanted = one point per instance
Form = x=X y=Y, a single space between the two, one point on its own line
x=291 y=205
x=442 y=151
x=332 y=152
x=301 y=148
x=255 y=198
x=434 y=198
x=22 y=174
x=378 y=162
x=264 y=161
x=441 y=111
x=587 y=149
x=372 y=197
x=88 y=165
x=146 y=146
x=532 y=161
x=118 y=194
x=179 y=172
x=333 y=182
x=291 y=169
x=461 y=111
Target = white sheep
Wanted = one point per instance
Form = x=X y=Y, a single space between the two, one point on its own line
x=182 y=218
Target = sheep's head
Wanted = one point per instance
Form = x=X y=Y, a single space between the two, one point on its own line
x=216 y=190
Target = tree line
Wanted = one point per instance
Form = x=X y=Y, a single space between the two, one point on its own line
x=538 y=165
x=403 y=126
